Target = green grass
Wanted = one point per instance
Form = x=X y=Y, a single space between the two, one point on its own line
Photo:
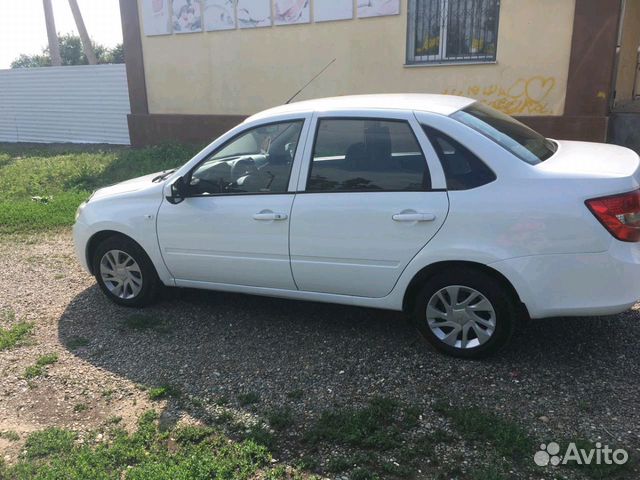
x=15 y=335
x=163 y=391
x=74 y=343
x=61 y=177
x=147 y=453
x=280 y=418
x=248 y=398
x=375 y=426
x=296 y=394
x=48 y=442
x=138 y=321
x=9 y=435
x=39 y=368
x=508 y=438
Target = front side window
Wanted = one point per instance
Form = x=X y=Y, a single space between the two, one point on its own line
x=449 y=31
x=257 y=161
x=506 y=131
x=353 y=155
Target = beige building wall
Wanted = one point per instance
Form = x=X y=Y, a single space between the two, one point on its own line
x=245 y=71
x=628 y=60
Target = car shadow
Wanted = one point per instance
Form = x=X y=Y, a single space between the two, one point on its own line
x=220 y=346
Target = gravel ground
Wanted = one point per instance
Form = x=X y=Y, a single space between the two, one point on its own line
x=559 y=379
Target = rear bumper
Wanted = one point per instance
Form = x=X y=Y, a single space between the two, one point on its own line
x=577 y=284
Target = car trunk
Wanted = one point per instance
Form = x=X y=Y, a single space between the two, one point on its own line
x=592 y=159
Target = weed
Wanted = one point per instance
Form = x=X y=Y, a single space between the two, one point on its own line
x=192 y=434
x=339 y=464
x=143 y=454
x=373 y=426
x=261 y=436
x=77 y=342
x=38 y=369
x=115 y=420
x=10 y=435
x=163 y=391
x=509 y=439
x=139 y=321
x=15 y=335
x=280 y=419
x=248 y=398
x=363 y=474
x=48 y=442
x=295 y=394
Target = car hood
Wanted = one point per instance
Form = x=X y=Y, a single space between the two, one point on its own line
x=128 y=186
x=591 y=159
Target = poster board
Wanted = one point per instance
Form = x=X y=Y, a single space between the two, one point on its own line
x=187 y=16
x=378 y=8
x=254 y=13
x=330 y=10
x=156 y=17
x=291 y=12
x=219 y=15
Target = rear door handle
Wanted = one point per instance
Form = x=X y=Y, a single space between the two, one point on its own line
x=268 y=215
x=414 y=217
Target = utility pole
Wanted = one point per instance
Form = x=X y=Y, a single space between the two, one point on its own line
x=82 y=30
x=54 y=47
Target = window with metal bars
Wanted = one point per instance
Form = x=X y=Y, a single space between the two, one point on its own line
x=452 y=31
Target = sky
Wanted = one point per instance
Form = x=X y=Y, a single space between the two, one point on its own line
x=22 y=27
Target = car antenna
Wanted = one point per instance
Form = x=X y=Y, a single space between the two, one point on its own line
x=309 y=82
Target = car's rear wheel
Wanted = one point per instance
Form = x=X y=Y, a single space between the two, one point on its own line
x=465 y=313
x=125 y=272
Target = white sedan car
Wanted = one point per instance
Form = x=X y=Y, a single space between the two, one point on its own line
x=434 y=205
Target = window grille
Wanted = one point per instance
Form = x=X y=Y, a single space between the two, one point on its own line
x=452 y=31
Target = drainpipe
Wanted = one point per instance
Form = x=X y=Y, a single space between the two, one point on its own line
x=635 y=95
x=616 y=63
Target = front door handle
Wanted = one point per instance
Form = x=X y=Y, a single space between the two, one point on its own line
x=414 y=217
x=268 y=215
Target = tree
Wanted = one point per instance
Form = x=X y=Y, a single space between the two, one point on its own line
x=71 y=53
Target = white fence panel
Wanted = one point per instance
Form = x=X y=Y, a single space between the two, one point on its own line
x=79 y=104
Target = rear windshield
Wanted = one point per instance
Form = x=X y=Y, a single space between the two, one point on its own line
x=506 y=131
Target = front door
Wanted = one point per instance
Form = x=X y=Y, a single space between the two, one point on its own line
x=367 y=207
x=233 y=227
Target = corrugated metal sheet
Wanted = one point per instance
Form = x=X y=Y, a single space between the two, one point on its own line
x=80 y=104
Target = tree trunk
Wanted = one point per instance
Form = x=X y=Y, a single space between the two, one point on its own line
x=87 y=47
x=54 y=46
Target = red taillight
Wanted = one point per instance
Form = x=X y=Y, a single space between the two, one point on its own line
x=620 y=214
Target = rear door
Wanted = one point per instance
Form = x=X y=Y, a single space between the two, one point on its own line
x=368 y=201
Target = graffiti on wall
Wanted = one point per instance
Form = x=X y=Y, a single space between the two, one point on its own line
x=526 y=96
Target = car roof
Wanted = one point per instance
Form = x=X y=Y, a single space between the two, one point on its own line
x=441 y=104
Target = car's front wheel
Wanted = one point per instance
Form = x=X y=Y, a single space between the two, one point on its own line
x=125 y=272
x=465 y=313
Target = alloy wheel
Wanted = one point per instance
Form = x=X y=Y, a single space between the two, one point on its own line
x=461 y=317
x=121 y=274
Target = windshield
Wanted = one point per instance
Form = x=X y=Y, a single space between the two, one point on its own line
x=506 y=131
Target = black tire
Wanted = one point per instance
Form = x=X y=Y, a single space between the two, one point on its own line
x=149 y=277
x=501 y=298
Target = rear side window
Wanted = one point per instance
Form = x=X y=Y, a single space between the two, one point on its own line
x=353 y=155
x=463 y=170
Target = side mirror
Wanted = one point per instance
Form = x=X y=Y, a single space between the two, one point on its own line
x=179 y=191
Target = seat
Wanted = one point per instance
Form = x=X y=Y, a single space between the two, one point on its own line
x=378 y=148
